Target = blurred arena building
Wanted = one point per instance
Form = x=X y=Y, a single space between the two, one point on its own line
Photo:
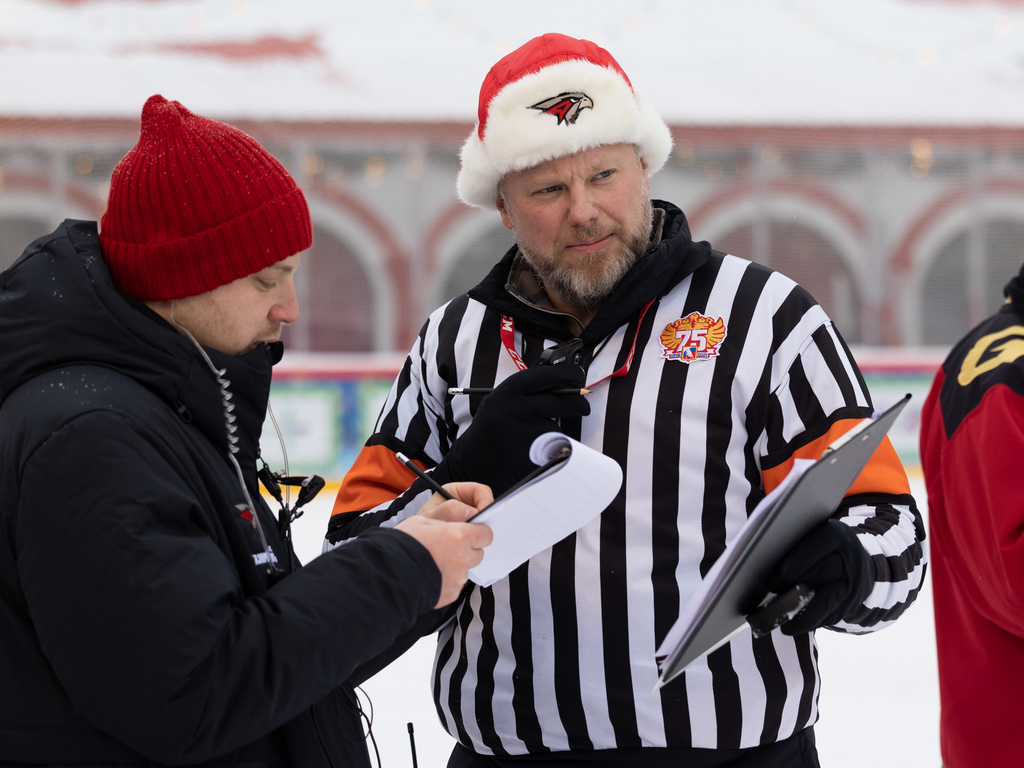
x=874 y=152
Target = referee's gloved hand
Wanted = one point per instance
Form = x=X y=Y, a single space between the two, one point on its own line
x=832 y=561
x=495 y=449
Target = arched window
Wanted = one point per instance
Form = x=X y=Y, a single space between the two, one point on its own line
x=473 y=264
x=946 y=314
x=802 y=254
x=16 y=232
x=336 y=300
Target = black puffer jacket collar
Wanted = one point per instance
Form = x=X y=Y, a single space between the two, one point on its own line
x=661 y=269
x=82 y=318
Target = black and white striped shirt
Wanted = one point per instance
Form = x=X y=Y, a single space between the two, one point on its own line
x=560 y=654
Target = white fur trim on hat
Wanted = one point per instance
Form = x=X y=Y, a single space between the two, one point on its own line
x=517 y=135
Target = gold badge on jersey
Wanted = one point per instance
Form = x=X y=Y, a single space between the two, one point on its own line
x=692 y=338
x=1006 y=352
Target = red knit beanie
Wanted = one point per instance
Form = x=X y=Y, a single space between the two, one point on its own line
x=195 y=205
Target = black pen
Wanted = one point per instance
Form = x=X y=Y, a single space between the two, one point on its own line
x=434 y=485
x=488 y=390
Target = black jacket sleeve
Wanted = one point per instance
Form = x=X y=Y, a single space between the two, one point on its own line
x=142 y=616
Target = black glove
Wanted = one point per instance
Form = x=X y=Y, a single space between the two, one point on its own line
x=495 y=449
x=832 y=561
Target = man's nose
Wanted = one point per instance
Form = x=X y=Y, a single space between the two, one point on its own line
x=582 y=207
x=287 y=310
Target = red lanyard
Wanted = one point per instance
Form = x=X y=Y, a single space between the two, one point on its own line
x=508 y=339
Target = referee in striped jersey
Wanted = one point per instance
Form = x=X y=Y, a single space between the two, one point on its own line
x=708 y=377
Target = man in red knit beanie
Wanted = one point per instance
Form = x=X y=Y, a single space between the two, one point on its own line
x=152 y=609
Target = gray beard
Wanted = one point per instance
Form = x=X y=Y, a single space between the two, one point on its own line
x=577 y=287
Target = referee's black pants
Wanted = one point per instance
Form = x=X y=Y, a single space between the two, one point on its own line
x=798 y=751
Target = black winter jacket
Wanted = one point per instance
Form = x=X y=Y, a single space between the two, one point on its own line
x=138 y=620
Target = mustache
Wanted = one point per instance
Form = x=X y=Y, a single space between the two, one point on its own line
x=583 y=234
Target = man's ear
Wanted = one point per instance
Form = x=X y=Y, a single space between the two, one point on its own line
x=499 y=203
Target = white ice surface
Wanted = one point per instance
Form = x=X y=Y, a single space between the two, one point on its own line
x=879 y=698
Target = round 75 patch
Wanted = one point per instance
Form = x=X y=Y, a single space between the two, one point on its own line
x=692 y=338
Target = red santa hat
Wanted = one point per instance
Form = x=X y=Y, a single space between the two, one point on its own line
x=554 y=96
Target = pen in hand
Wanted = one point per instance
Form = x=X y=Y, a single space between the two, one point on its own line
x=431 y=482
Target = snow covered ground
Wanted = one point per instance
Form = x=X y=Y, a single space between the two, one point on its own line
x=879 y=698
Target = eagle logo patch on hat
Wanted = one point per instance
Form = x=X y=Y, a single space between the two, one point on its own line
x=692 y=338
x=565 y=106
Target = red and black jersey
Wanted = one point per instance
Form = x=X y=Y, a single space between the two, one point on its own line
x=972 y=452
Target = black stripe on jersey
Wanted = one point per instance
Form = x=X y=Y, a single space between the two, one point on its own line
x=565 y=642
x=418 y=433
x=486 y=661
x=807 y=664
x=856 y=369
x=789 y=314
x=488 y=350
x=447 y=367
x=826 y=346
x=459 y=673
x=614 y=591
x=756 y=417
x=891 y=569
x=523 y=699
x=756 y=414
x=807 y=406
x=665 y=539
x=568 y=694
x=728 y=707
x=564 y=645
x=716 y=482
x=444 y=655
x=775 y=686
x=389 y=424
x=780 y=451
x=725 y=682
x=566 y=639
x=776 y=445
x=868 y=617
x=875 y=499
x=885 y=517
x=719 y=414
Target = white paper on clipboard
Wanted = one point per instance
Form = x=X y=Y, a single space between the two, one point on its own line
x=549 y=508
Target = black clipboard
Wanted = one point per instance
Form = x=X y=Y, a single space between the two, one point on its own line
x=807 y=503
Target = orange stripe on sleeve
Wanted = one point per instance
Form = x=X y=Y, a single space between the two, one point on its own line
x=883 y=473
x=376 y=477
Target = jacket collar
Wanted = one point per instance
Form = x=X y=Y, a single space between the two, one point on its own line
x=59 y=307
